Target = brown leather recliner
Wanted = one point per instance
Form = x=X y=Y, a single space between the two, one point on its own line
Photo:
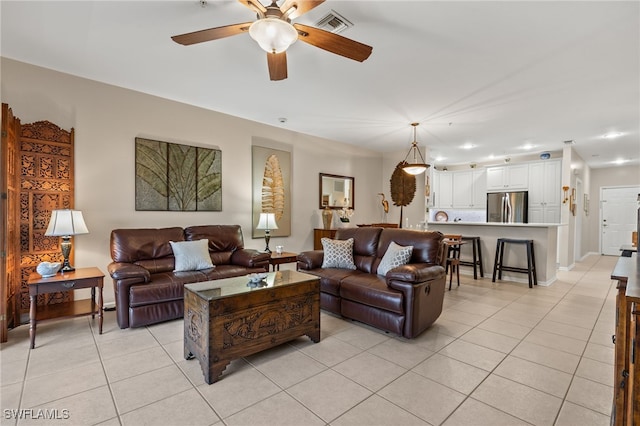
x=147 y=290
x=406 y=301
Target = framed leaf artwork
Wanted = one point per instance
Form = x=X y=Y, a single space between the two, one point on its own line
x=271 y=180
x=176 y=177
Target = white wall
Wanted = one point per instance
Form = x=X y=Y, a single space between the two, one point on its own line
x=107 y=119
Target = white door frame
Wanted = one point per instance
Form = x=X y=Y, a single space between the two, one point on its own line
x=577 y=232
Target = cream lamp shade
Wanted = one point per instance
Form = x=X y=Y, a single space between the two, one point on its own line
x=267 y=222
x=65 y=223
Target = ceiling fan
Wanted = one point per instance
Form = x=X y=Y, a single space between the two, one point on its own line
x=274 y=33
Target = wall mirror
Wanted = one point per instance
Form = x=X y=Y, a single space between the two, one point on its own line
x=336 y=191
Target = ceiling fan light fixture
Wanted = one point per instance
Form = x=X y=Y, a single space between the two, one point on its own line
x=418 y=165
x=273 y=34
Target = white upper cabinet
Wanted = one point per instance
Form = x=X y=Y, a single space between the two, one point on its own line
x=508 y=178
x=442 y=189
x=545 y=191
x=469 y=189
x=464 y=189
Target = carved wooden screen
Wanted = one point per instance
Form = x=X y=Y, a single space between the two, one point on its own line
x=9 y=228
x=46 y=184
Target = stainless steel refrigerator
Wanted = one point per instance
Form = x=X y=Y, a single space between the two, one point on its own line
x=507 y=207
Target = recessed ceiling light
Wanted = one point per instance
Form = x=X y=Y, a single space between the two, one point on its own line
x=620 y=161
x=612 y=135
x=468 y=146
x=528 y=146
x=440 y=158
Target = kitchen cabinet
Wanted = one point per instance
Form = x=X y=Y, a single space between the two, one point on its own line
x=545 y=191
x=443 y=189
x=508 y=178
x=469 y=189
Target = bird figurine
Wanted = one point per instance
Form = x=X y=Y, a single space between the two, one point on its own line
x=385 y=203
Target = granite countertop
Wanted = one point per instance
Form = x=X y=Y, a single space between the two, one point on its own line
x=522 y=225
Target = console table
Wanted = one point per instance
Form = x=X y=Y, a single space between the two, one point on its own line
x=319 y=233
x=74 y=280
x=626 y=398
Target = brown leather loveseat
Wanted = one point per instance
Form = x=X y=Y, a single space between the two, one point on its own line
x=147 y=290
x=406 y=301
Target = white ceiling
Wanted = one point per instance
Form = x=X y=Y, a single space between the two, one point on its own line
x=497 y=75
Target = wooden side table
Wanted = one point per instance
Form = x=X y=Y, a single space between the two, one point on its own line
x=80 y=278
x=285 y=257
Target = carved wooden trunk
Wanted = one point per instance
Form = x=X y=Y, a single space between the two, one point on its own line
x=229 y=319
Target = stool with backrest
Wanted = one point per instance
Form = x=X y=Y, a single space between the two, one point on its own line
x=477 y=256
x=453 y=242
x=498 y=265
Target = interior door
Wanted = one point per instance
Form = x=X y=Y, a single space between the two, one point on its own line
x=617 y=217
x=9 y=228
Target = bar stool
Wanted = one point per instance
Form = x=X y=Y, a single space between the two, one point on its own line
x=477 y=257
x=530 y=270
x=453 y=243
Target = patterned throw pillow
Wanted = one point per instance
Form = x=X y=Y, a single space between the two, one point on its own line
x=395 y=256
x=191 y=255
x=338 y=253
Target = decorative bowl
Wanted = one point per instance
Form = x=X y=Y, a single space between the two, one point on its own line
x=256 y=278
x=48 y=269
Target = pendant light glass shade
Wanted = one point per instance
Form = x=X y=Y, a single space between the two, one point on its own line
x=418 y=164
x=273 y=34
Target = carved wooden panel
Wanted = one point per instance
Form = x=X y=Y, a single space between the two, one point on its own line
x=46 y=184
x=9 y=228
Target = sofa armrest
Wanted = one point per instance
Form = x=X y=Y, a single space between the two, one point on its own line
x=128 y=271
x=251 y=258
x=414 y=273
x=308 y=260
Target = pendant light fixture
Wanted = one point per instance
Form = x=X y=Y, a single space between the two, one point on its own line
x=416 y=166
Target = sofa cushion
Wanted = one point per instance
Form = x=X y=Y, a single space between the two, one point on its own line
x=131 y=245
x=372 y=290
x=338 y=253
x=223 y=240
x=426 y=244
x=191 y=255
x=365 y=246
x=396 y=255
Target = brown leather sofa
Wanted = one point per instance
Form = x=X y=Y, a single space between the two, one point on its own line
x=147 y=290
x=406 y=301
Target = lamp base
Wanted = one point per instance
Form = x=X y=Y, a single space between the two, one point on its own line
x=267 y=238
x=65 y=246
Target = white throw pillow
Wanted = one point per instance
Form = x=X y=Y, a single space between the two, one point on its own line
x=191 y=255
x=396 y=255
x=337 y=253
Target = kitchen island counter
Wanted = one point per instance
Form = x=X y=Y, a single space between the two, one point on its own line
x=545 y=241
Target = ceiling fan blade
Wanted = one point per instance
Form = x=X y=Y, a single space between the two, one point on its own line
x=211 y=34
x=333 y=43
x=277 y=65
x=301 y=7
x=254 y=5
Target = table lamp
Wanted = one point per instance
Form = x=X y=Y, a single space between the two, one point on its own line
x=65 y=223
x=267 y=222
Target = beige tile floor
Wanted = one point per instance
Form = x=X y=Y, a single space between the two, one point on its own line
x=500 y=354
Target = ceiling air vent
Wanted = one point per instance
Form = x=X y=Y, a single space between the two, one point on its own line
x=334 y=22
